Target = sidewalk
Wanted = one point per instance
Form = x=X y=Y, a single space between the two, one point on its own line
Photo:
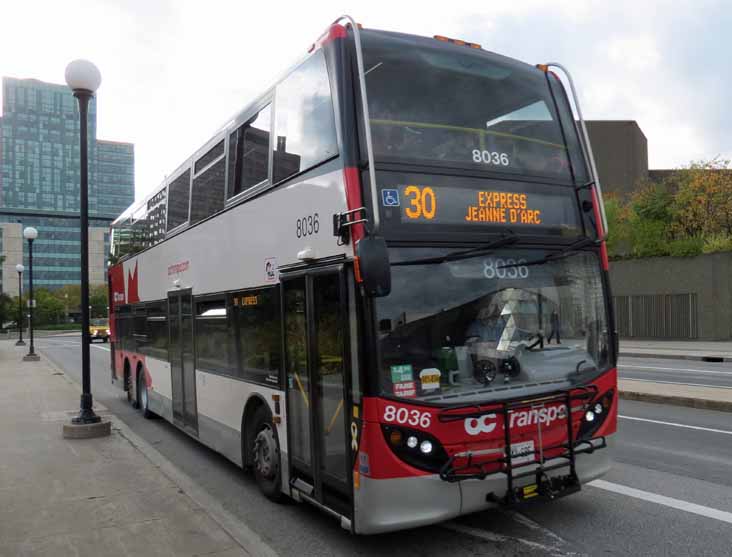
x=708 y=398
x=95 y=497
x=715 y=351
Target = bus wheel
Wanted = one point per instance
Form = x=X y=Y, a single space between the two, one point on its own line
x=128 y=383
x=266 y=455
x=142 y=400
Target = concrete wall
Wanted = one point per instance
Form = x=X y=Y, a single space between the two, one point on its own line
x=706 y=276
x=97 y=261
x=13 y=252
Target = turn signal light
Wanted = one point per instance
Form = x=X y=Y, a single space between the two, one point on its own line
x=395 y=437
x=458 y=42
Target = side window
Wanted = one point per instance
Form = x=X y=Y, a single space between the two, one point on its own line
x=304 y=121
x=156 y=344
x=212 y=337
x=178 y=192
x=256 y=316
x=249 y=152
x=208 y=192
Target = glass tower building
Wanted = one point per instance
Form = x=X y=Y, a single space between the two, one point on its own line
x=39 y=184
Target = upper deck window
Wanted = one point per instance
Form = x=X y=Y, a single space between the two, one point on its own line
x=448 y=105
x=304 y=120
x=178 y=195
x=249 y=152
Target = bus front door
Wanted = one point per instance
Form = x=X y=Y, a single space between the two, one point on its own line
x=317 y=389
x=180 y=353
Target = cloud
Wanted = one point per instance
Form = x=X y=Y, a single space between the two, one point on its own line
x=173 y=72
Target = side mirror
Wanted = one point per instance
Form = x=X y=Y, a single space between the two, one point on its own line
x=373 y=257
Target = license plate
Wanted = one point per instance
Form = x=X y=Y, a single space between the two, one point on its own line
x=519 y=452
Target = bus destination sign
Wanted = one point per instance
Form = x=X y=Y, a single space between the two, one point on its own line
x=422 y=204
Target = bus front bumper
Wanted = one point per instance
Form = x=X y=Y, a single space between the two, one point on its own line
x=396 y=504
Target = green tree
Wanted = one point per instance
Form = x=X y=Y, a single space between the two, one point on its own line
x=98 y=300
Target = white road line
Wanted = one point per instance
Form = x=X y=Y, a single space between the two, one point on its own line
x=100 y=347
x=677 y=369
x=675 y=383
x=501 y=539
x=673 y=424
x=685 y=506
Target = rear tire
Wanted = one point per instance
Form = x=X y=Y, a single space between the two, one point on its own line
x=264 y=449
x=128 y=384
x=142 y=395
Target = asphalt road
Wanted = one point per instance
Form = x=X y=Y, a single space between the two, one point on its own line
x=669 y=493
x=683 y=372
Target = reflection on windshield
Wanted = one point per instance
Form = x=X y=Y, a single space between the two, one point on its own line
x=438 y=105
x=461 y=329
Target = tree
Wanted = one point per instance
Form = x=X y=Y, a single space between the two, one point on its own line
x=98 y=301
x=703 y=200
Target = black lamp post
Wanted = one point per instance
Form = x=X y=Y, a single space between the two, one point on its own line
x=30 y=234
x=83 y=78
x=20 y=268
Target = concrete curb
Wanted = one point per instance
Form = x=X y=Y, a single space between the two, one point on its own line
x=691 y=402
x=705 y=358
x=249 y=540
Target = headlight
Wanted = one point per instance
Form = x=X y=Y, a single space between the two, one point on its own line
x=416 y=448
x=109 y=332
x=595 y=416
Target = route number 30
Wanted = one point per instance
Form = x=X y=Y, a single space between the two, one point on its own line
x=405 y=416
x=422 y=201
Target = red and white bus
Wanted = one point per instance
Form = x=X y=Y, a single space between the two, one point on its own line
x=383 y=286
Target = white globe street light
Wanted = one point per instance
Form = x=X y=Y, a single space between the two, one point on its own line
x=20 y=268
x=83 y=78
x=82 y=75
x=30 y=234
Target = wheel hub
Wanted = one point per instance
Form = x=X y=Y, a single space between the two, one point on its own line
x=265 y=453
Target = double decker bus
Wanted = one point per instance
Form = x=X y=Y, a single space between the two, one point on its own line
x=382 y=286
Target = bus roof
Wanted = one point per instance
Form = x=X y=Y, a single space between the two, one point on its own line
x=374 y=36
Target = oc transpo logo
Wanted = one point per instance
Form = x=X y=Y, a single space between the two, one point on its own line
x=474 y=426
x=534 y=416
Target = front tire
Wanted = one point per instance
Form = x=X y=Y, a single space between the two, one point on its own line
x=265 y=452
x=142 y=395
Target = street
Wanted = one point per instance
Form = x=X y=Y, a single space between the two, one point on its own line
x=669 y=493
x=680 y=372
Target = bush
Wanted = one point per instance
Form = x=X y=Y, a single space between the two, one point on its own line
x=649 y=238
x=717 y=243
x=60 y=327
x=686 y=247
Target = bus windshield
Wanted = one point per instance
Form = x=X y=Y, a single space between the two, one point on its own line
x=447 y=105
x=482 y=326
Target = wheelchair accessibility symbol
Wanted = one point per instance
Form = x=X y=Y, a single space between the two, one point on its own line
x=390 y=198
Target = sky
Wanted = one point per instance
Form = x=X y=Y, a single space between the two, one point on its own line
x=173 y=72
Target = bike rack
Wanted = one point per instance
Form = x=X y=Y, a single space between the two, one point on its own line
x=544 y=486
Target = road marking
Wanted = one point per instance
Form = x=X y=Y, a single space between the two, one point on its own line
x=675 y=383
x=100 y=347
x=501 y=539
x=685 y=506
x=679 y=369
x=711 y=429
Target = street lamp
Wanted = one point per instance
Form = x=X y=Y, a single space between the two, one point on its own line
x=30 y=234
x=20 y=268
x=83 y=78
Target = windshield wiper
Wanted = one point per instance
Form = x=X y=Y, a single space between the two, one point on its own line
x=505 y=240
x=561 y=254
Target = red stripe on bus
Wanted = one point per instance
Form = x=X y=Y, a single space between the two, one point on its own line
x=334 y=32
x=603 y=257
x=354 y=200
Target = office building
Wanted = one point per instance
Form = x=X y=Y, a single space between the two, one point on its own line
x=39 y=184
